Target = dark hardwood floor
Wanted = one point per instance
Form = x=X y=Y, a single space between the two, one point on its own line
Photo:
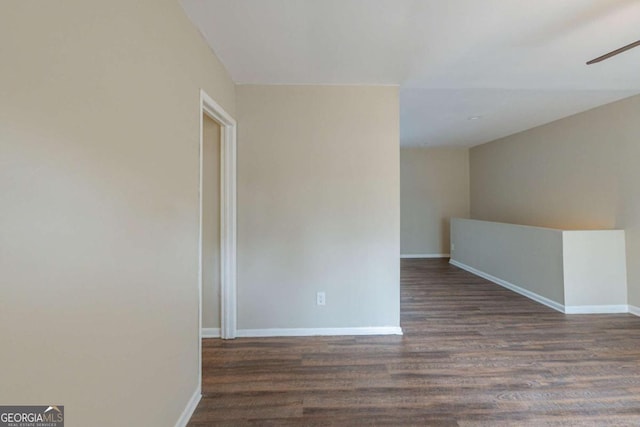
x=473 y=354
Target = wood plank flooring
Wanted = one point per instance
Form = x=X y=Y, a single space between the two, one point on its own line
x=473 y=354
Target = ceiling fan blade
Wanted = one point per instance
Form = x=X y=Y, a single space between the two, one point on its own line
x=614 y=53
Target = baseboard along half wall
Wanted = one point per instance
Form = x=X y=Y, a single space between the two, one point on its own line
x=510 y=286
x=424 y=256
x=596 y=309
x=190 y=408
x=572 y=309
x=309 y=332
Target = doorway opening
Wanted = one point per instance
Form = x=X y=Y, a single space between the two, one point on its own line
x=210 y=194
x=217 y=127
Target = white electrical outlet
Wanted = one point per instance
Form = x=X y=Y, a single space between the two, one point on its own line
x=453 y=247
x=321 y=298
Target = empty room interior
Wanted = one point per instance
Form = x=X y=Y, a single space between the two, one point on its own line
x=305 y=212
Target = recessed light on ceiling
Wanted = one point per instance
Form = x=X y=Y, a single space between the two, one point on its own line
x=474 y=118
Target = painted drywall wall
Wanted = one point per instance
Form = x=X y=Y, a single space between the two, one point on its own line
x=528 y=257
x=578 y=172
x=434 y=187
x=210 y=223
x=99 y=155
x=594 y=266
x=318 y=197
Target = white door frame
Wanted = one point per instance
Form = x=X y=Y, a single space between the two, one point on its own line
x=227 y=219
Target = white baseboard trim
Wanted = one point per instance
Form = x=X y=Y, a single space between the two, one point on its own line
x=308 y=332
x=569 y=309
x=596 y=309
x=425 y=256
x=210 y=332
x=189 y=409
x=634 y=310
x=517 y=289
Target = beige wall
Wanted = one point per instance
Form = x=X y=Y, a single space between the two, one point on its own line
x=99 y=137
x=210 y=223
x=434 y=186
x=318 y=206
x=578 y=172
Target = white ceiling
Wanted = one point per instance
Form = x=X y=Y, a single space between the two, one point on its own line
x=516 y=64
